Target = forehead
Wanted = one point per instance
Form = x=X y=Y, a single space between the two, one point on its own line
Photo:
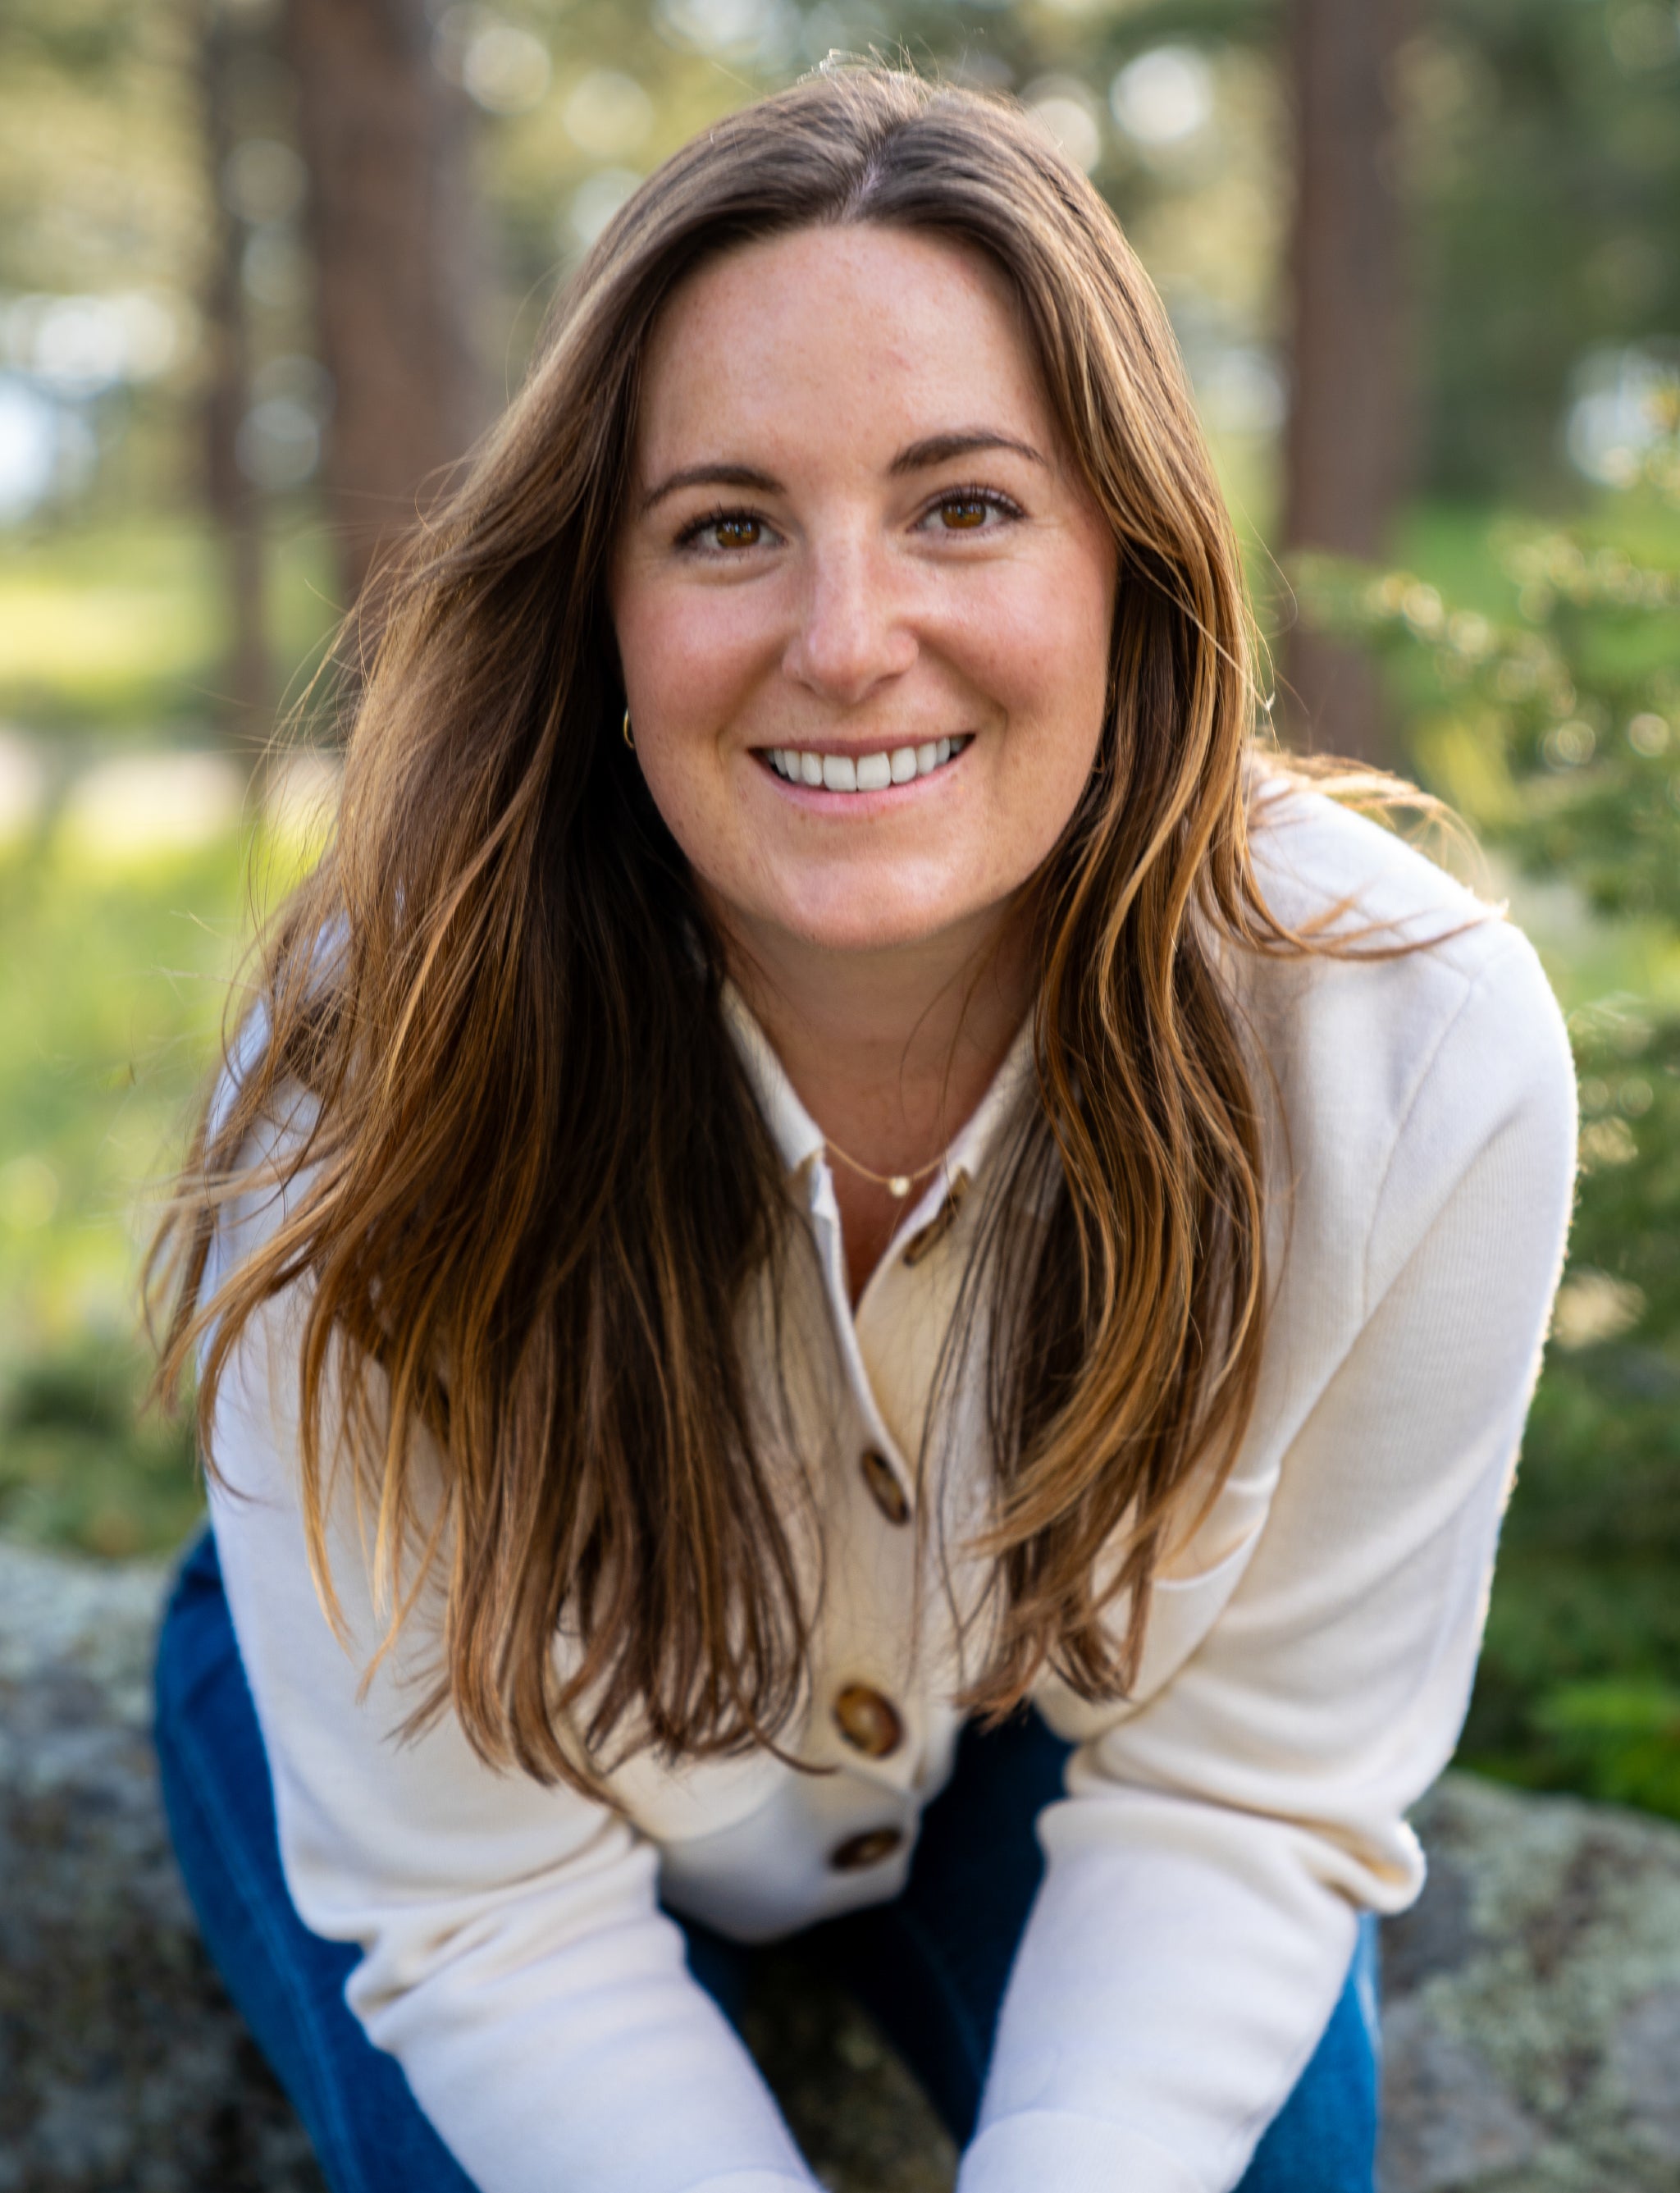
x=862 y=334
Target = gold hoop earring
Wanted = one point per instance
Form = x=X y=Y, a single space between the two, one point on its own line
x=628 y=740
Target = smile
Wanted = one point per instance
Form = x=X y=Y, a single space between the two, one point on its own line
x=873 y=772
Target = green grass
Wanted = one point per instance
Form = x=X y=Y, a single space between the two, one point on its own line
x=112 y=986
x=112 y=978
x=118 y=630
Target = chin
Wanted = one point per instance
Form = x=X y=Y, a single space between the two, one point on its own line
x=869 y=920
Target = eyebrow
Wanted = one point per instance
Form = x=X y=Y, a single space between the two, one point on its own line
x=710 y=475
x=915 y=456
x=941 y=449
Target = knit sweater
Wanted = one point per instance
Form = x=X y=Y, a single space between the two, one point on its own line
x=1306 y=1665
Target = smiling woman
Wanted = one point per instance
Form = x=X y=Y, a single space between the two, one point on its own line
x=893 y=1309
x=869 y=689
x=875 y=588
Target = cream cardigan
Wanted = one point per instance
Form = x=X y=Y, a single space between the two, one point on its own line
x=1308 y=1657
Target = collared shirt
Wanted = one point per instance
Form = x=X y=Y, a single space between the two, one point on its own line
x=860 y=1385
x=1306 y=1666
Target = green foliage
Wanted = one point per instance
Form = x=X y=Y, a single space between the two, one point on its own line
x=1549 y=712
x=1555 y=728
x=81 y=1464
x=1621 y=1738
x=1628 y=1224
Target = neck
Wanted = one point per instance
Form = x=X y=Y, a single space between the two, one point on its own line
x=890 y=1051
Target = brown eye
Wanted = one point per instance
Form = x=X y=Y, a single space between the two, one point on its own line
x=736 y=532
x=964 y=513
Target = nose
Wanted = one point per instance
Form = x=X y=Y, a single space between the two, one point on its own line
x=855 y=634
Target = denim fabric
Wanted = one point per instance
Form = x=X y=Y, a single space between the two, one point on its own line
x=930 y=1966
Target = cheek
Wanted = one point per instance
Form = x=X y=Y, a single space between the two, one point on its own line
x=689 y=655
x=1042 y=649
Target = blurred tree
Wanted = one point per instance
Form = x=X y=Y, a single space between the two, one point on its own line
x=97 y=156
x=400 y=259
x=1543 y=170
x=243 y=706
x=1349 y=400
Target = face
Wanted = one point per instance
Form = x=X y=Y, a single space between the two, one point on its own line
x=862 y=604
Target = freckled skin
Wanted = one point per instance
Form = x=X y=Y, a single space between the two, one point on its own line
x=850 y=607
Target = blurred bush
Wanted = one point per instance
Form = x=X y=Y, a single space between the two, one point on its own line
x=81 y=1466
x=1547 y=710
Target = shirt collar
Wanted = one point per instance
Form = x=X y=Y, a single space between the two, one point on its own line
x=798 y=1138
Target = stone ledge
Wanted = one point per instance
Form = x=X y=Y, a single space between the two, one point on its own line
x=1532 y=2017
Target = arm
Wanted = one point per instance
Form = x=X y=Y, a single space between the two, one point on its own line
x=1197 y=1916
x=516 y=1961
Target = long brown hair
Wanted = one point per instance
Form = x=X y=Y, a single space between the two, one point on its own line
x=533 y=1185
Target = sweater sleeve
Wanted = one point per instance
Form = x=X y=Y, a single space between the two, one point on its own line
x=515 y=1959
x=1197 y=1916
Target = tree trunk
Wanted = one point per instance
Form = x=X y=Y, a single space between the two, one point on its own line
x=245 y=705
x=398 y=262
x=1349 y=416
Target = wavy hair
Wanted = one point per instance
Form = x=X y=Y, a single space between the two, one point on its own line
x=535 y=1185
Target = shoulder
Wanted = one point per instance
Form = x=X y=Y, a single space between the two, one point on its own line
x=276 y=1156
x=1321 y=866
x=1392 y=1070
x=1410 y=953
x=272 y=1171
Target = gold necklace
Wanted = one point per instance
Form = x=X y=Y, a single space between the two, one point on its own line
x=896 y=1183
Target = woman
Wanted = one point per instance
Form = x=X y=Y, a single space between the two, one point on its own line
x=830 y=1158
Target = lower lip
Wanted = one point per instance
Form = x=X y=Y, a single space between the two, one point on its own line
x=821 y=801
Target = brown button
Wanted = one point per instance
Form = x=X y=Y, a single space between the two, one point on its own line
x=883 y=1482
x=929 y=1236
x=867 y=1849
x=869 y=1722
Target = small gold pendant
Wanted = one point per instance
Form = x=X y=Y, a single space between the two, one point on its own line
x=898 y=1184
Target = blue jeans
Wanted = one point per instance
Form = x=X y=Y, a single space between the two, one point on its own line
x=930 y=1967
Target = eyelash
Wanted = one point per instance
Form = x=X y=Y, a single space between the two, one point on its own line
x=993 y=498
x=695 y=526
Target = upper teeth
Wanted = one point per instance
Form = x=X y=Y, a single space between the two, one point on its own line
x=866 y=772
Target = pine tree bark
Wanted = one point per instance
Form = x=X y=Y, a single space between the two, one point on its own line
x=399 y=264
x=1348 y=433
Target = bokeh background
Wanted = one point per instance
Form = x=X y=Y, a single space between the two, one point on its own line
x=266 y=268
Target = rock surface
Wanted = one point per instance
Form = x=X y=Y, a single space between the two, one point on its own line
x=1531 y=2001
x=1532 y=2019
x=121 y=2063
